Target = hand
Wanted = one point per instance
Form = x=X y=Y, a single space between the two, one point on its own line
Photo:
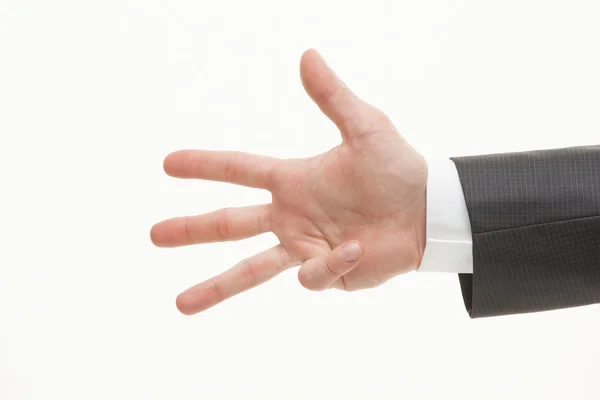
x=353 y=217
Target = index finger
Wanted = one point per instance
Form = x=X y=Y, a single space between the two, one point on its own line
x=224 y=166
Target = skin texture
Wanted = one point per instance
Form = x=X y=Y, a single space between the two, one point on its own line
x=352 y=217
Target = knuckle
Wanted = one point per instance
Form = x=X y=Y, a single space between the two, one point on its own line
x=249 y=273
x=264 y=219
x=331 y=94
x=186 y=231
x=217 y=290
x=290 y=175
x=231 y=167
x=222 y=227
x=303 y=278
x=269 y=175
x=307 y=280
x=330 y=267
x=368 y=121
x=378 y=121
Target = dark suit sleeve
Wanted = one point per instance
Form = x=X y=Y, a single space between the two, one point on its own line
x=535 y=220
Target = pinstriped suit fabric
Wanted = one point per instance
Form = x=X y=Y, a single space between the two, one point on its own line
x=535 y=219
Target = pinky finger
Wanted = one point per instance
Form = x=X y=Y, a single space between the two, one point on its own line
x=321 y=272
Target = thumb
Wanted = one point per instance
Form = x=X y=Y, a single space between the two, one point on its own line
x=321 y=272
x=353 y=116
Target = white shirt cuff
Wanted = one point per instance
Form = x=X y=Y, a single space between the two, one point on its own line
x=449 y=246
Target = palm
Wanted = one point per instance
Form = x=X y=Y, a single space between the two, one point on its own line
x=342 y=195
x=370 y=189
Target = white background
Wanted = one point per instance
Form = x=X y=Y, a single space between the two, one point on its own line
x=94 y=94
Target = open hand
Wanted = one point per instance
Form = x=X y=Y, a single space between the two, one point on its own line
x=353 y=217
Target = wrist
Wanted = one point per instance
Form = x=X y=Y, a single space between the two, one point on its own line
x=421 y=226
x=447 y=230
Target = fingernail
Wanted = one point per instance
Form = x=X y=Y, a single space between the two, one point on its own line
x=351 y=252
